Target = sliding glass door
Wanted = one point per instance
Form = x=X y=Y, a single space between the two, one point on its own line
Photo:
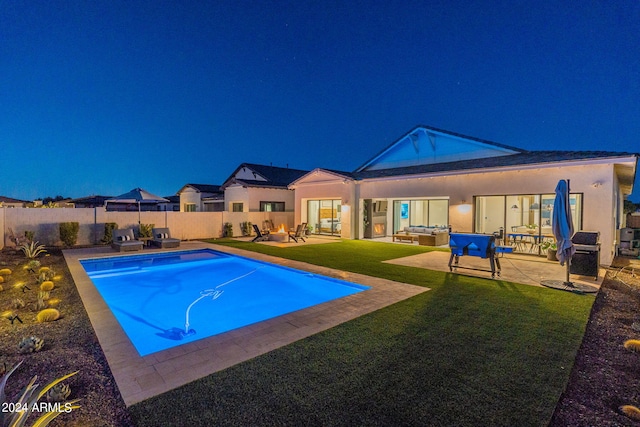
x=428 y=213
x=324 y=216
x=525 y=218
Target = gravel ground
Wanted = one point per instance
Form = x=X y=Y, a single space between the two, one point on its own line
x=605 y=375
x=69 y=344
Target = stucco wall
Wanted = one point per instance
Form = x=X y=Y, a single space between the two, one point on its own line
x=257 y=195
x=596 y=181
x=330 y=189
x=252 y=196
x=2 y=227
x=184 y=225
x=236 y=194
x=190 y=195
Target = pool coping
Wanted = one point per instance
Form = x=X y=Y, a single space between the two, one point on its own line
x=141 y=377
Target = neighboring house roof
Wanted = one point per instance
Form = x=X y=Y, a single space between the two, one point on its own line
x=173 y=199
x=254 y=175
x=91 y=200
x=4 y=199
x=203 y=188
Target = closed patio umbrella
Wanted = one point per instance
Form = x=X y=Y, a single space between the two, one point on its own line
x=137 y=196
x=562 y=225
x=562 y=228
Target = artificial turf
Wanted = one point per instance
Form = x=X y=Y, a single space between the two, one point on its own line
x=469 y=352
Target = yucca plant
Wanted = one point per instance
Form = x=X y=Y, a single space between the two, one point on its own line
x=28 y=400
x=33 y=250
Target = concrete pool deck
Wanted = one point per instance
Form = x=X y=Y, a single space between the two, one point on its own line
x=139 y=378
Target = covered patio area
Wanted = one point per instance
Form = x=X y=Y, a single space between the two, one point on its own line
x=525 y=269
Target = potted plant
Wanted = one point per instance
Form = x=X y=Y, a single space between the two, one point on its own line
x=531 y=228
x=309 y=230
x=551 y=248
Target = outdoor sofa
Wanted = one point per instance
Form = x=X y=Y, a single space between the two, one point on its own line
x=161 y=237
x=426 y=236
x=125 y=241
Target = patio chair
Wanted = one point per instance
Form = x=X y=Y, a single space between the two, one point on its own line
x=162 y=238
x=125 y=241
x=267 y=225
x=299 y=233
x=260 y=236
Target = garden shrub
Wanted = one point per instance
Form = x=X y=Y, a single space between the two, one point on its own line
x=69 y=233
x=108 y=232
x=227 y=231
x=246 y=228
x=146 y=230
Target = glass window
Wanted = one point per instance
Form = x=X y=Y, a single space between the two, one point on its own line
x=271 y=206
x=189 y=207
x=412 y=213
x=525 y=218
x=237 y=207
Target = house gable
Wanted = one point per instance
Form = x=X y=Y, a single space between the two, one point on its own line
x=321 y=176
x=247 y=173
x=200 y=188
x=425 y=145
x=254 y=175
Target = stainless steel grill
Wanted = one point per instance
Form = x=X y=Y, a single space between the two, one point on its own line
x=586 y=260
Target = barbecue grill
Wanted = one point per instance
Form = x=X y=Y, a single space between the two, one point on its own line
x=586 y=260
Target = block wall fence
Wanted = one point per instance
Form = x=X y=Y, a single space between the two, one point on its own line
x=183 y=225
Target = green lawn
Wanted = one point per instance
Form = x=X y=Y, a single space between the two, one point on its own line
x=470 y=352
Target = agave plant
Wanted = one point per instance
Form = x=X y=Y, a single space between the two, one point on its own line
x=33 y=249
x=28 y=400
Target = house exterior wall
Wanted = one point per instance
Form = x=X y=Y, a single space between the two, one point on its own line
x=324 y=188
x=236 y=194
x=191 y=195
x=252 y=196
x=595 y=180
x=257 y=195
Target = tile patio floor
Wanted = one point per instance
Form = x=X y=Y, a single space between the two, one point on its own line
x=517 y=268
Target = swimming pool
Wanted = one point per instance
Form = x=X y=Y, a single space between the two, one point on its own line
x=167 y=299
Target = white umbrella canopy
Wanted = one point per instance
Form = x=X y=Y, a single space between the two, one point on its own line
x=137 y=196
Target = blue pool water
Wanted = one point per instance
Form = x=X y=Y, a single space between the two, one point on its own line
x=168 y=299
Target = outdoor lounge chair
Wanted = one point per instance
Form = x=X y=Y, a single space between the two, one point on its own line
x=162 y=238
x=260 y=236
x=299 y=233
x=124 y=241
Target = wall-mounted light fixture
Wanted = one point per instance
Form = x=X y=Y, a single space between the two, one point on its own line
x=596 y=184
x=514 y=208
x=464 y=208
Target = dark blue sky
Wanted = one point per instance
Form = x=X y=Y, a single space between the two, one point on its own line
x=103 y=96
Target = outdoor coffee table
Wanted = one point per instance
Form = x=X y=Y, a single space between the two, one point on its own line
x=408 y=237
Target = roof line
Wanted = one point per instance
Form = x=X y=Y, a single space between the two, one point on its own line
x=442 y=131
